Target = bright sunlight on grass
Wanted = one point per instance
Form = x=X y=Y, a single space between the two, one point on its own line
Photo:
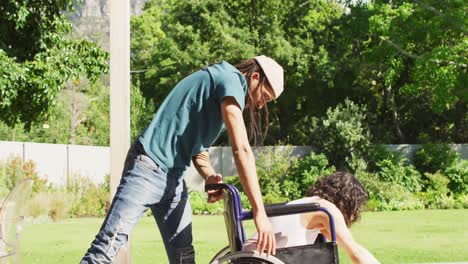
x=394 y=237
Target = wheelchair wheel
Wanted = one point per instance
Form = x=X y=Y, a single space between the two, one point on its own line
x=220 y=254
x=225 y=257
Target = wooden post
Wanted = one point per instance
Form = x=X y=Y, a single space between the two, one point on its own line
x=119 y=98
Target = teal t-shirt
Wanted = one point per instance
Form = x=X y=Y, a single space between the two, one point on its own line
x=189 y=120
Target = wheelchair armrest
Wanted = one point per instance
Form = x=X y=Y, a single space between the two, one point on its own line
x=285 y=209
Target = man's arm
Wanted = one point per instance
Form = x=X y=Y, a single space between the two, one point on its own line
x=202 y=163
x=245 y=164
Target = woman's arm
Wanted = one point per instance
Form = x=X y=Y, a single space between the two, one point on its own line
x=245 y=164
x=356 y=252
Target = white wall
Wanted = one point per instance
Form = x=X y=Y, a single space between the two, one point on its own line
x=55 y=161
x=51 y=160
x=10 y=148
x=89 y=161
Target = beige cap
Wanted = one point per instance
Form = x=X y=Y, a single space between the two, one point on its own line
x=273 y=72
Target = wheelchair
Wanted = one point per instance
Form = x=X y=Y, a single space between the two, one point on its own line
x=321 y=252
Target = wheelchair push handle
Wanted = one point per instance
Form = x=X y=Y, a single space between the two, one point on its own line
x=215 y=186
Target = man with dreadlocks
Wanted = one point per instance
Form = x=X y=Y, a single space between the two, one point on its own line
x=344 y=196
x=186 y=124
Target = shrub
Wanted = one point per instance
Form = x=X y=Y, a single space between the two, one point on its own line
x=462 y=200
x=234 y=180
x=433 y=157
x=15 y=169
x=38 y=205
x=198 y=201
x=437 y=183
x=59 y=205
x=405 y=175
x=372 y=205
x=291 y=189
x=457 y=173
x=245 y=201
x=88 y=199
x=343 y=134
x=385 y=196
x=283 y=178
x=303 y=173
x=271 y=198
x=54 y=204
x=272 y=166
x=434 y=200
x=380 y=152
x=437 y=192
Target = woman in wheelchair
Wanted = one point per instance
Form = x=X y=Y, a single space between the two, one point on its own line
x=343 y=195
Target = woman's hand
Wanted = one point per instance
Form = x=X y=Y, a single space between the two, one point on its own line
x=266 y=237
x=214 y=195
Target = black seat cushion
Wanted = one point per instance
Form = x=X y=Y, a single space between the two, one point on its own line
x=320 y=253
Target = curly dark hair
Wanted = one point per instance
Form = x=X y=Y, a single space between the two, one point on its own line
x=344 y=191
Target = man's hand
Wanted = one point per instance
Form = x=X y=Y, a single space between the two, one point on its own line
x=214 y=195
x=266 y=237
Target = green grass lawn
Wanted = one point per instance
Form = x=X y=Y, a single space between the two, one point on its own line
x=394 y=237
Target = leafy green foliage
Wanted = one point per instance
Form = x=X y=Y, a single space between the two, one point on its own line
x=436 y=195
x=88 y=198
x=380 y=152
x=173 y=38
x=80 y=116
x=303 y=174
x=272 y=167
x=141 y=111
x=457 y=173
x=390 y=166
x=38 y=56
x=385 y=196
x=198 y=201
x=342 y=134
x=400 y=173
x=404 y=61
x=432 y=157
x=15 y=169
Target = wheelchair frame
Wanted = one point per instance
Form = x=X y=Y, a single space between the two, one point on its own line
x=323 y=253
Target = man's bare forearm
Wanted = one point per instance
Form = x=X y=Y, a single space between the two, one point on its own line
x=245 y=163
x=202 y=163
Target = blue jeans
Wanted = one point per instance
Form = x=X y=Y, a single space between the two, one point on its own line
x=145 y=186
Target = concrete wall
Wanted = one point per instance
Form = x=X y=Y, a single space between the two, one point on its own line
x=89 y=161
x=408 y=150
x=51 y=160
x=56 y=162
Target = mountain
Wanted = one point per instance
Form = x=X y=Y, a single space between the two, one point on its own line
x=91 y=19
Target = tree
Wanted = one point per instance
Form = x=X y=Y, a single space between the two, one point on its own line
x=173 y=38
x=405 y=61
x=38 y=56
x=411 y=57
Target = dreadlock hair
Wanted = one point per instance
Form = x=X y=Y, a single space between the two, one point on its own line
x=254 y=116
x=344 y=191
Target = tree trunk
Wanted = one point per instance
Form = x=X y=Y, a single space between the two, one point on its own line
x=395 y=118
x=461 y=127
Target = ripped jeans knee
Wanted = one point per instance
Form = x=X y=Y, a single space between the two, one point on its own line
x=118 y=239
